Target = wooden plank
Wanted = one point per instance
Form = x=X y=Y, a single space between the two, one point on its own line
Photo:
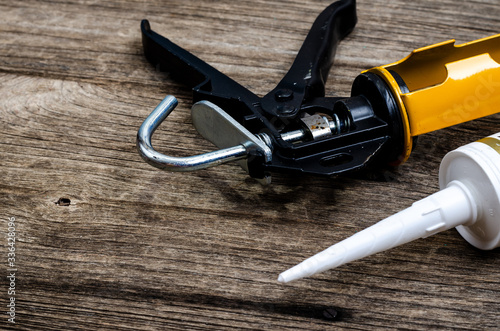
x=137 y=248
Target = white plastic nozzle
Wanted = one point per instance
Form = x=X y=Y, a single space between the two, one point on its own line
x=469 y=199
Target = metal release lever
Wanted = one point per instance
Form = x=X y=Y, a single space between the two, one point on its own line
x=179 y=164
x=237 y=143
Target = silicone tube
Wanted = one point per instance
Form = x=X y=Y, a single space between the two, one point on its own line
x=469 y=199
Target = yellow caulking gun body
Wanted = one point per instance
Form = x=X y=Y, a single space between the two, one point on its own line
x=469 y=178
x=296 y=129
x=444 y=85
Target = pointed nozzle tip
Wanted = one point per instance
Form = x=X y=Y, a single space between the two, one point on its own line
x=290 y=275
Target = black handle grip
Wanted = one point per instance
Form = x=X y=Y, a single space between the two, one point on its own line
x=307 y=76
x=189 y=69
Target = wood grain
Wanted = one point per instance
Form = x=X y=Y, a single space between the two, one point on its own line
x=141 y=249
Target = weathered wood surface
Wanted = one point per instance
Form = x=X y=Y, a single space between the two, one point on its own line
x=142 y=249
